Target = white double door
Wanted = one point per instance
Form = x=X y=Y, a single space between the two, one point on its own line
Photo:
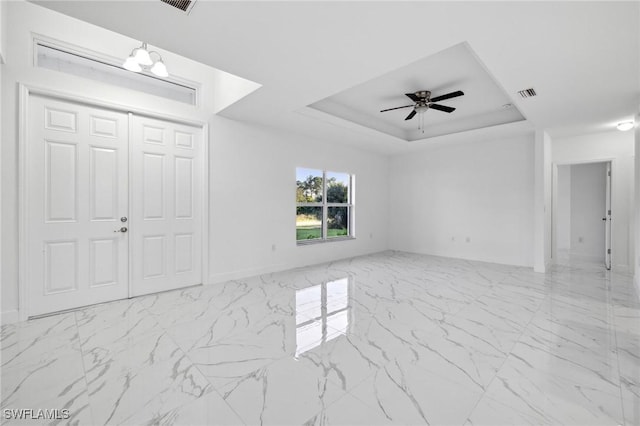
x=113 y=205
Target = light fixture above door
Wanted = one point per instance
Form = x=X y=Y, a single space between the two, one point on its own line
x=141 y=60
x=624 y=126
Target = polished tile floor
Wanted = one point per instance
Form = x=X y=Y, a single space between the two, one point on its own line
x=391 y=338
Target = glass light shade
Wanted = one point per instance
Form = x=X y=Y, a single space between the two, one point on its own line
x=623 y=127
x=131 y=64
x=159 y=69
x=421 y=109
x=142 y=56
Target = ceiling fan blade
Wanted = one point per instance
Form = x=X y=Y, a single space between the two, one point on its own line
x=441 y=108
x=410 y=116
x=447 y=96
x=413 y=97
x=391 y=109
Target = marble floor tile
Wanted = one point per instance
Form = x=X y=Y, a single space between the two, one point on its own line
x=345 y=360
x=489 y=412
x=459 y=354
x=209 y=409
x=114 y=360
x=39 y=350
x=72 y=408
x=40 y=328
x=229 y=361
x=139 y=395
x=28 y=386
x=100 y=326
x=405 y=394
x=558 y=355
x=630 y=405
x=349 y=411
x=387 y=338
x=556 y=399
x=281 y=393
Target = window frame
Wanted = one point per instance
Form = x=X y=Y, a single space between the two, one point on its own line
x=350 y=205
x=103 y=60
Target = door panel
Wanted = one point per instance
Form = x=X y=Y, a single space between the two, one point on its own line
x=166 y=223
x=77 y=178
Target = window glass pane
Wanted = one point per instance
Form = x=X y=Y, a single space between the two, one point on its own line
x=309 y=185
x=337 y=187
x=338 y=222
x=308 y=223
x=58 y=60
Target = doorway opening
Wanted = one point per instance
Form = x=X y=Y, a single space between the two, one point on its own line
x=581 y=225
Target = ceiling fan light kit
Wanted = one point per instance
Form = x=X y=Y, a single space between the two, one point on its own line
x=423 y=102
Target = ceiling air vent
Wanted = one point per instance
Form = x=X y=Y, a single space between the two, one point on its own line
x=183 y=5
x=527 y=93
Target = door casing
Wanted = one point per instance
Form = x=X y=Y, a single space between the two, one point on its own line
x=554 y=203
x=25 y=91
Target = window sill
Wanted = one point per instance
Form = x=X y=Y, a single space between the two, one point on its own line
x=318 y=241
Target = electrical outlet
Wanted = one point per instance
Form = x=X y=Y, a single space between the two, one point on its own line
x=273 y=247
x=468 y=239
x=580 y=239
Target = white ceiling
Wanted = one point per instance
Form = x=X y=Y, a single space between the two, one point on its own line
x=581 y=57
x=484 y=103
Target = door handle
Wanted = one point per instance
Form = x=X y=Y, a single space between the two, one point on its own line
x=123 y=229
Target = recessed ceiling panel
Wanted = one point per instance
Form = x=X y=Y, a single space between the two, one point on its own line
x=484 y=102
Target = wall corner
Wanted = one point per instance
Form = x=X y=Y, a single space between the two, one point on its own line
x=542 y=201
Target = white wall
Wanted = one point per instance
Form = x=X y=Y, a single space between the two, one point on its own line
x=3 y=30
x=588 y=192
x=23 y=20
x=542 y=201
x=253 y=169
x=564 y=208
x=636 y=230
x=470 y=200
x=253 y=199
x=617 y=147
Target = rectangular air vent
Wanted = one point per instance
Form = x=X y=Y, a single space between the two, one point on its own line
x=183 y=5
x=527 y=93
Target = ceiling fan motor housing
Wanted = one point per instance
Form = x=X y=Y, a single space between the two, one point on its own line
x=423 y=94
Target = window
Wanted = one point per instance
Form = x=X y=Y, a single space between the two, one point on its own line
x=58 y=59
x=324 y=205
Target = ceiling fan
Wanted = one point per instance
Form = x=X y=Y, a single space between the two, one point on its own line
x=423 y=102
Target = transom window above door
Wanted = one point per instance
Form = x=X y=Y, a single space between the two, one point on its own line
x=59 y=57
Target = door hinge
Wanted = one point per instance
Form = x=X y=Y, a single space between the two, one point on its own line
x=609 y=173
x=608 y=251
x=609 y=212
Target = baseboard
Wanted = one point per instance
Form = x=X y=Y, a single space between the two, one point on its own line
x=245 y=273
x=252 y=272
x=9 y=317
x=636 y=279
x=622 y=269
